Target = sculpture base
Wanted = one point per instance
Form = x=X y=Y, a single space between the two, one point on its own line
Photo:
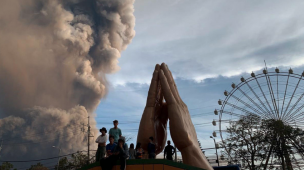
x=146 y=164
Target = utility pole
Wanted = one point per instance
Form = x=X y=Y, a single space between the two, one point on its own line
x=89 y=135
x=82 y=127
x=58 y=156
x=89 y=129
x=218 y=161
x=1 y=147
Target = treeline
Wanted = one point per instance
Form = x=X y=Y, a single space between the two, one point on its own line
x=75 y=161
x=259 y=144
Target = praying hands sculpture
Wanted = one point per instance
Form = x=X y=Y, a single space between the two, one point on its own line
x=156 y=114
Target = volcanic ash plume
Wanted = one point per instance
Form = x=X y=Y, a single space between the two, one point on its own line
x=54 y=55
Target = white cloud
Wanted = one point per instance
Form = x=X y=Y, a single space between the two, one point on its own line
x=205 y=39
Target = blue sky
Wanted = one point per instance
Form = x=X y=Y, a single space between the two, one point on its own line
x=207 y=46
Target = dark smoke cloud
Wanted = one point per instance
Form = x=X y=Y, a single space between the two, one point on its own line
x=54 y=55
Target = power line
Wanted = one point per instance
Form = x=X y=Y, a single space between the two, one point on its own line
x=20 y=143
x=36 y=160
x=37 y=134
x=99 y=117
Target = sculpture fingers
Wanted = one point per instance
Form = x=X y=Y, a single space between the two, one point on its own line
x=153 y=87
x=175 y=87
x=146 y=127
x=161 y=130
x=166 y=88
x=171 y=82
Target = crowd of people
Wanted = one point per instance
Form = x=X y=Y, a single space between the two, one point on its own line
x=117 y=149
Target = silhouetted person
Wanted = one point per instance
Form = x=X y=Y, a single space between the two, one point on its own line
x=101 y=140
x=132 y=152
x=111 y=146
x=125 y=146
x=120 y=153
x=139 y=151
x=151 y=148
x=115 y=131
x=169 y=151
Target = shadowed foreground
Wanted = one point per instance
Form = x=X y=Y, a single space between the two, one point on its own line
x=154 y=164
x=146 y=164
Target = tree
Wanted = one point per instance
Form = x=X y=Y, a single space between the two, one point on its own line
x=245 y=142
x=78 y=160
x=251 y=142
x=38 y=166
x=6 y=166
x=284 y=142
x=64 y=164
x=128 y=138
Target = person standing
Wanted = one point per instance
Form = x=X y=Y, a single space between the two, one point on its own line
x=125 y=146
x=169 y=151
x=115 y=131
x=151 y=148
x=111 y=146
x=132 y=152
x=101 y=140
x=120 y=153
x=139 y=151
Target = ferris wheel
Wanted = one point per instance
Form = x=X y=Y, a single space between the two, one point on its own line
x=277 y=96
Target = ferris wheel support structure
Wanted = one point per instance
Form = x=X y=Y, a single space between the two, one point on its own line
x=270 y=96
